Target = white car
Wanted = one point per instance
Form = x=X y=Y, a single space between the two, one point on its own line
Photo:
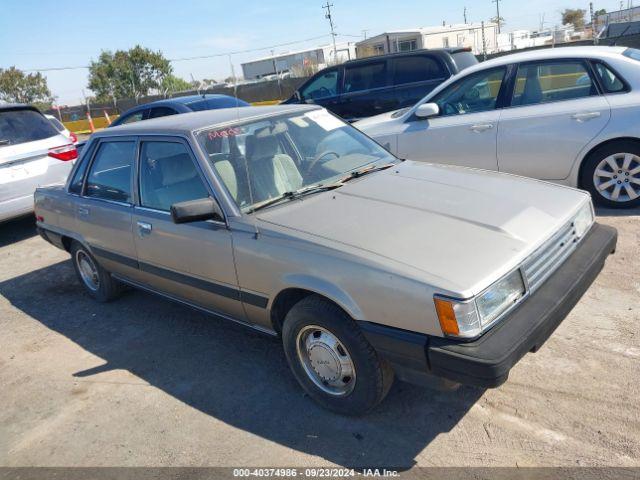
x=567 y=115
x=61 y=128
x=32 y=154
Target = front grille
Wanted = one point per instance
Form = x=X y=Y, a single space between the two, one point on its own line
x=550 y=256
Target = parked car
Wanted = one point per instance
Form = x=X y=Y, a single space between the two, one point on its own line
x=568 y=115
x=287 y=220
x=32 y=153
x=61 y=128
x=370 y=86
x=174 y=106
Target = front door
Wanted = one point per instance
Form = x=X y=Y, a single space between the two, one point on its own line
x=465 y=132
x=191 y=261
x=555 y=112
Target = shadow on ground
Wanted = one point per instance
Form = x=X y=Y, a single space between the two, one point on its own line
x=231 y=373
x=617 y=212
x=16 y=230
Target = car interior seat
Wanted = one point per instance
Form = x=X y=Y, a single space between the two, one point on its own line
x=532 y=93
x=272 y=172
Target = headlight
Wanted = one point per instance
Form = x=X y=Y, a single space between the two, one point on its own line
x=583 y=220
x=467 y=319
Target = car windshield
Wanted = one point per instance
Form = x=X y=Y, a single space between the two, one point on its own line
x=277 y=157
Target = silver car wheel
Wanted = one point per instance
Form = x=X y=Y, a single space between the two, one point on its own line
x=88 y=270
x=325 y=360
x=617 y=177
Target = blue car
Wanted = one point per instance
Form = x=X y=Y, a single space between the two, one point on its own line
x=173 y=106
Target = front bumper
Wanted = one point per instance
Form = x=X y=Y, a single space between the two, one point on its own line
x=486 y=361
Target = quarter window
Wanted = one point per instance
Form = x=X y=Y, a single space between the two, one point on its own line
x=609 y=80
x=552 y=82
x=365 y=77
x=168 y=175
x=325 y=85
x=78 y=177
x=475 y=93
x=110 y=174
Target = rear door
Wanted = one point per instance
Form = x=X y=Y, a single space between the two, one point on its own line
x=190 y=261
x=366 y=90
x=414 y=76
x=104 y=208
x=555 y=111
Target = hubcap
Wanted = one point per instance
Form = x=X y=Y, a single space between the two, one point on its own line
x=617 y=177
x=325 y=360
x=88 y=271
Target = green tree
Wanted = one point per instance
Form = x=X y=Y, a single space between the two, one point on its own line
x=602 y=11
x=574 y=16
x=171 y=84
x=127 y=74
x=19 y=87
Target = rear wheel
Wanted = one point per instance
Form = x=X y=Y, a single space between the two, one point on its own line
x=94 y=278
x=331 y=358
x=612 y=175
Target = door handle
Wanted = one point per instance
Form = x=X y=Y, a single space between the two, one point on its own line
x=481 y=127
x=144 y=228
x=83 y=211
x=585 y=116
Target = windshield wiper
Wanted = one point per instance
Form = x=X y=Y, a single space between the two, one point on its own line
x=292 y=195
x=363 y=171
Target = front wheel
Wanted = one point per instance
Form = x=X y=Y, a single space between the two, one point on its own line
x=612 y=175
x=331 y=358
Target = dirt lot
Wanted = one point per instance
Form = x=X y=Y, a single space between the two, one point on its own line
x=141 y=381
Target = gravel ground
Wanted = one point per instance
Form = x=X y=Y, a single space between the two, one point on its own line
x=144 y=382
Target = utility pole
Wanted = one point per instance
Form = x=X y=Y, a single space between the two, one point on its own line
x=364 y=34
x=484 y=43
x=594 y=27
x=465 y=15
x=333 y=33
x=497 y=2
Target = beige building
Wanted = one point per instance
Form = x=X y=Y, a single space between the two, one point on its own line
x=449 y=36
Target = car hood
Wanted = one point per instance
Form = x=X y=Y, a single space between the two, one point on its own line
x=460 y=228
x=379 y=123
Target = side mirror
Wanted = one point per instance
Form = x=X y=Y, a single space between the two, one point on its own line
x=427 y=110
x=196 y=211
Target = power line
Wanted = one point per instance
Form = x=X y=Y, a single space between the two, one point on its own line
x=182 y=59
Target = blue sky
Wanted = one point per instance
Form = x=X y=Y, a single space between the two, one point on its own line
x=58 y=33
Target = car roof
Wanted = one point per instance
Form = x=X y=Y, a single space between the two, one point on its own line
x=548 y=53
x=188 y=122
x=422 y=51
x=17 y=106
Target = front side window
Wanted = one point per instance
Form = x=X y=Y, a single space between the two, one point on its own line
x=110 y=174
x=157 y=112
x=168 y=175
x=365 y=77
x=477 y=92
x=551 y=82
x=609 y=80
x=134 y=117
x=325 y=85
x=266 y=159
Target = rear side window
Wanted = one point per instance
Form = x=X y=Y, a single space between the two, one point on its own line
x=110 y=174
x=551 y=82
x=168 y=175
x=134 y=117
x=417 y=69
x=365 y=77
x=22 y=126
x=609 y=80
x=56 y=123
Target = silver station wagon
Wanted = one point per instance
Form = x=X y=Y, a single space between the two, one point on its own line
x=289 y=221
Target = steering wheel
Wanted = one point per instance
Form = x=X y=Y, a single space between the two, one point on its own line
x=317 y=158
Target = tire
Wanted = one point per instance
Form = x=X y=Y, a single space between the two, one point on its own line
x=103 y=288
x=355 y=391
x=621 y=179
